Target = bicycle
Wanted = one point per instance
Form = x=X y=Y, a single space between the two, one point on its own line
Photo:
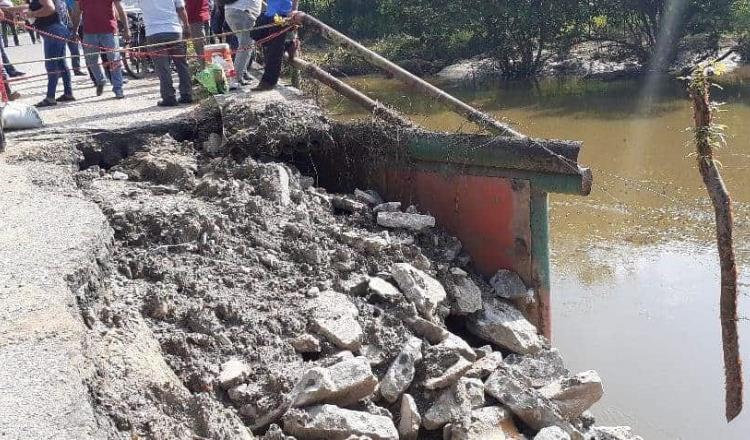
x=137 y=62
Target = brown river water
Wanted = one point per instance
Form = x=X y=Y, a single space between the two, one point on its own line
x=635 y=271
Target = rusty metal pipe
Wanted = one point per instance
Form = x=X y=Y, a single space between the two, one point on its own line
x=374 y=107
x=473 y=115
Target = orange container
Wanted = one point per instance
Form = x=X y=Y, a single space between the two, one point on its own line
x=220 y=54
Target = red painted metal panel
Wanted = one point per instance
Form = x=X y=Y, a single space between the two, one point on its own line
x=490 y=215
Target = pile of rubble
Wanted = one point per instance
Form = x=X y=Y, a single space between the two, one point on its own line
x=283 y=311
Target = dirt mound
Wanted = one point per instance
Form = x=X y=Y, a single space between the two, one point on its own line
x=244 y=299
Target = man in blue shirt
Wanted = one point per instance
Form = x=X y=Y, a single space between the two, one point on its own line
x=274 y=49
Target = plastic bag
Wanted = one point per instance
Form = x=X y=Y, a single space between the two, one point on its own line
x=213 y=79
x=17 y=116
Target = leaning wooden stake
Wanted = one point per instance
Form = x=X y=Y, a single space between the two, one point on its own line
x=705 y=140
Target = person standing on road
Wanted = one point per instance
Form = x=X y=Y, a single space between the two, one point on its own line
x=199 y=15
x=241 y=16
x=73 y=46
x=166 y=21
x=9 y=25
x=99 y=29
x=274 y=49
x=46 y=18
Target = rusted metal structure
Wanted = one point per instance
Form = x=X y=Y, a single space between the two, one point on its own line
x=491 y=191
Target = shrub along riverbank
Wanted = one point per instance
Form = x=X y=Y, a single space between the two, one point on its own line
x=522 y=37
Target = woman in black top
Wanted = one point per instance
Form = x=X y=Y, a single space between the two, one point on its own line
x=55 y=35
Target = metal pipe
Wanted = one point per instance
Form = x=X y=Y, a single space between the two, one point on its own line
x=374 y=107
x=480 y=118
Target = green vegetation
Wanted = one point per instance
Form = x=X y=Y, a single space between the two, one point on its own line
x=522 y=34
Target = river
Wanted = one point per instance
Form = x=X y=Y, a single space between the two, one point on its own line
x=635 y=271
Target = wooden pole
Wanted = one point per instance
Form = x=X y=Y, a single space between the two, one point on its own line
x=482 y=119
x=374 y=107
x=703 y=115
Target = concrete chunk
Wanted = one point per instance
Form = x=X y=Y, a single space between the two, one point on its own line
x=614 y=433
x=552 y=433
x=541 y=368
x=421 y=289
x=536 y=411
x=370 y=197
x=427 y=329
x=233 y=372
x=346 y=204
x=467 y=298
x=383 y=289
x=576 y=394
x=388 y=207
x=503 y=325
x=274 y=184
x=482 y=368
x=450 y=376
x=343 y=384
x=508 y=285
x=401 y=372
x=454 y=404
x=457 y=344
x=408 y=426
x=403 y=220
x=333 y=423
x=306 y=343
x=489 y=423
x=336 y=319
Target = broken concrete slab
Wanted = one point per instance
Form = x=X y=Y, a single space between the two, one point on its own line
x=508 y=285
x=370 y=197
x=450 y=376
x=408 y=425
x=485 y=366
x=614 y=433
x=541 y=368
x=383 y=289
x=454 y=404
x=401 y=372
x=387 y=207
x=336 y=319
x=492 y=422
x=233 y=372
x=375 y=245
x=510 y=389
x=467 y=297
x=503 y=325
x=459 y=345
x=421 y=289
x=552 y=433
x=345 y=204
x=334 y=423
x=403 y=220
x=306 y=343
x=343 y=384
x=576 y=394
x=274 y=184
x=427 y=329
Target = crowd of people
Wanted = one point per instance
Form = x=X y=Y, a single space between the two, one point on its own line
x=169 y=25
